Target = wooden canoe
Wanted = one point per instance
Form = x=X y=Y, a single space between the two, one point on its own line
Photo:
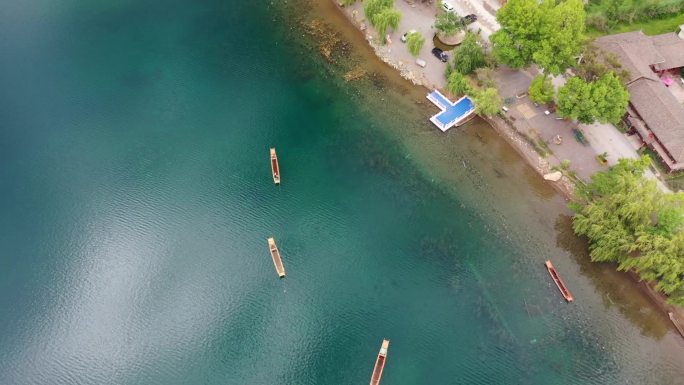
x=275 y=168
x=559 y=282
x=275 y=255
x=380 y=363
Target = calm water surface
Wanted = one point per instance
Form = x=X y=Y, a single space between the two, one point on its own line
x=136 y=199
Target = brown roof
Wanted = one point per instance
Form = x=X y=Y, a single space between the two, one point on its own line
x=671 y=48
x=641 y=55
x=661 y=112
x=635 y=51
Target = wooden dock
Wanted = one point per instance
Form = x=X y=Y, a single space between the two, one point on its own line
x=380 y=363
x=275 y=254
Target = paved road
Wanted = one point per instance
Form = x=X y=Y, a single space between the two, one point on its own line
x=606 y=138
x=486 y=22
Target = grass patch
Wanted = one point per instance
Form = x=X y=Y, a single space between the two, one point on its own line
x=541 y=143
x=650 y=27
x=655 y=161
x=674 y=181
x=654 y=17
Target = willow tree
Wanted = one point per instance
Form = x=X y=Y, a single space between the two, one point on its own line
x=415 y=42
x=630 y=221
x=469 y=56
x=487 y=101
x=385 y=19
x=457 y=84
x=373 y=7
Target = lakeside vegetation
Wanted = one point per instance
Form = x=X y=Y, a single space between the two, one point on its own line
x=382 y=15
x=628 y=220
x=414 y=42
x=654 y=17
x=471 y=58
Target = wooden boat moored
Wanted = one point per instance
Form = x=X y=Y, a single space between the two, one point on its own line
x=561 y=286
x=380 y=363
x=275 y=168
x=275 y=254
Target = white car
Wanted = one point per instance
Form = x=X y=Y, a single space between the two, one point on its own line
x=447 y=6
x=405 y=36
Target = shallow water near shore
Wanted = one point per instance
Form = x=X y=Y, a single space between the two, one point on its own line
x=137 y=198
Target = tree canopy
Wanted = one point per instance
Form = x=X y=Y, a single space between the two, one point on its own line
x=457 y=84
x=604 y=100
x=373 y=7
x=469 y=56
x=415 y=42
x=548 y=34
x=487 y=101
x=448 y=23
x=385 y=19
x=541 y=90
x=382 y=15
x=628 y=220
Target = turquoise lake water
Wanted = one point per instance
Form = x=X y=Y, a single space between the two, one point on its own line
x=136 y=200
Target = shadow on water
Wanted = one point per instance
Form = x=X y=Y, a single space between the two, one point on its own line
x=616 y=288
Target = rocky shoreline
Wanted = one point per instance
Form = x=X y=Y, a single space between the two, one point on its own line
x=383 y=51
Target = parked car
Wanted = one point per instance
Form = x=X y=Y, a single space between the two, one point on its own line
x=447 y=6
x=469 y=19
x=441 y=55
x=405 y=36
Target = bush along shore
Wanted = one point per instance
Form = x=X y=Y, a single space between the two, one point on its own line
x=626 y=218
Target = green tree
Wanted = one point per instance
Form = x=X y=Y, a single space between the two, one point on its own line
x=611 y=98
x=562 y=37
x=469 y=56
x=415 y=42
x=628 y=220
x=517 y=40
x=448 y=23
x=373 y=7
x=541 y=90
x=347 y=3
x=604 y=100
x=385 y=19
x=457 y=84
x=612 y=11
x=574 y=101
x=545 y=33
x=487 y=101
